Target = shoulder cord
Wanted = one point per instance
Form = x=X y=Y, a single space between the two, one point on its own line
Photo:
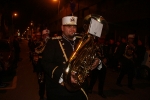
x=63 y=51
x=67 y=60
x=84 y=93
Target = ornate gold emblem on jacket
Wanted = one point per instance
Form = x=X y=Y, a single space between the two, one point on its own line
x=40 y=48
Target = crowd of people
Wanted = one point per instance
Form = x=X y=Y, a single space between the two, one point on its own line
x=50 y=56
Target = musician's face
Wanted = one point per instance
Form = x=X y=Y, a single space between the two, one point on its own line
x=69 y=30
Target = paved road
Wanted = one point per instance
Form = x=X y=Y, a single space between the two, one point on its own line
x=23 y=86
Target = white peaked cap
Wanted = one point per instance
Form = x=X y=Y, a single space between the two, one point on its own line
x=131 y=35
x=46 y=31
x=69 y=20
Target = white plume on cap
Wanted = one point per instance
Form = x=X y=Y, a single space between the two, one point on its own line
x=46 y=31
x=69 y=20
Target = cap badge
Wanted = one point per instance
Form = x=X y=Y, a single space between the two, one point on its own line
x=72 y=19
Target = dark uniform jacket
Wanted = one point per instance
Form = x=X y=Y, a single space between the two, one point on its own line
x=53 y=62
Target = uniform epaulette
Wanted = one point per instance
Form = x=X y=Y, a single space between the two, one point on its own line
x=57 y=37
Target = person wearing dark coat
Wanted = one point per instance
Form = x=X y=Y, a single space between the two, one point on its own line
x=140 y=52
x=54 y=60
x=127 y=62
x=36 y=42
x=39 y=68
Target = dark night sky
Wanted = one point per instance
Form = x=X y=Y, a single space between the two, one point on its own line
x=38 y=11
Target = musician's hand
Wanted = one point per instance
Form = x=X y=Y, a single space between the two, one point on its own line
x=95 y=64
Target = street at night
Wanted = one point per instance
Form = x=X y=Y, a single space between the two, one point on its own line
x=74 y=50
x=24 y=85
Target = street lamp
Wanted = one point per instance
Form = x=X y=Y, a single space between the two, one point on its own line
x=31 y=24
x=28 y=29
x=13 y=15
x=58 y=5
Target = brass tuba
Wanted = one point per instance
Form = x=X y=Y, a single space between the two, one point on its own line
x=83 y=56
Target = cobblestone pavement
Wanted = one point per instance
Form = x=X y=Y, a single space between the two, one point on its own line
x=22 y=85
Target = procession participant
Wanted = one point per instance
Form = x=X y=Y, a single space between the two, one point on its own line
x=40 y=72
x=128 y=62
x=37 y=40
x=57 y=50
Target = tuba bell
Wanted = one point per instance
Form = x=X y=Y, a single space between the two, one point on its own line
x=83 y=56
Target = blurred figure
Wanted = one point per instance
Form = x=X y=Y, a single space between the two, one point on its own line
x=30 y=45
x=46 y=35
x=111 y=48
x=120 y=51
x=140 y=52
x=146 y=65
x=40 y=72
x=127 y=62
x=116 y=56
x=121 y=48
x=36 y=41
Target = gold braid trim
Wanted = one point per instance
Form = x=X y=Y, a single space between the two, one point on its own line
x=84 y=93
x=63 y=51
x=53 y=71
x=57 y=37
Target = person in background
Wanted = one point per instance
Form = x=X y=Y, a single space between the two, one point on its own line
x=31 y=46
x=111 y=48
x=140 y=52
x=116 y=56
x=37 y=40
x=40 y=71
x=146 y=64
x=127 y=62
x=120 y=51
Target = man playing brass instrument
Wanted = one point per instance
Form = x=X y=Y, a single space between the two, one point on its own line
x=55 y=56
